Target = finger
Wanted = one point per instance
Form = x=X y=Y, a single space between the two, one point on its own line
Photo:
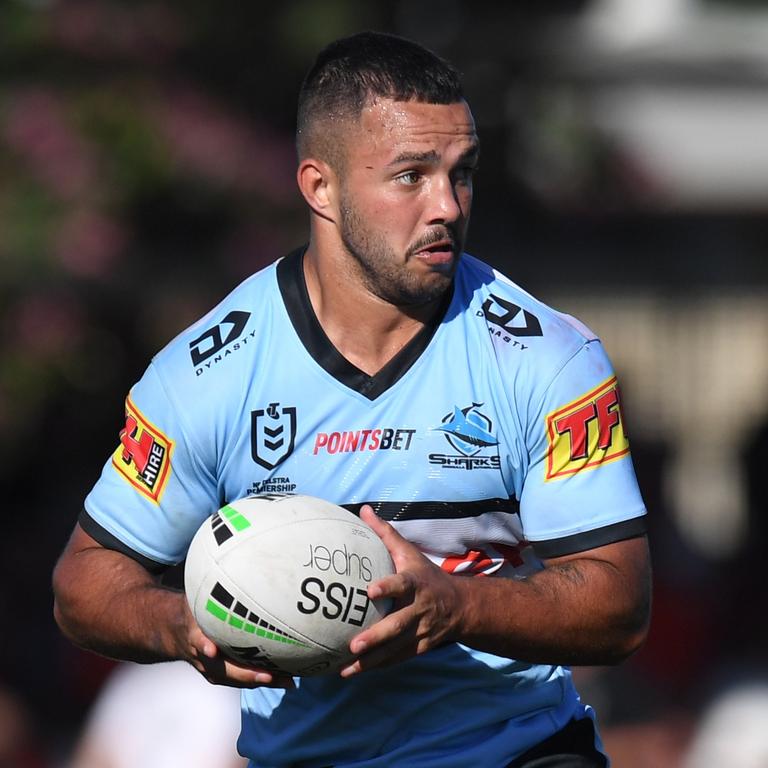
x=224 y=671
x=399 y=648
x=220 y=669
x=251 y=676
x=208 y=648
x=200 y=642
x=381 y=527
x=397 y=545
x=397 y=587
x=396 y=627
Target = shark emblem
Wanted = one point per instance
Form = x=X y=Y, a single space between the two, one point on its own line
x=468 y=430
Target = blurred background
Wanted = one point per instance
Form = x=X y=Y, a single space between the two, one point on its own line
x=147 y=166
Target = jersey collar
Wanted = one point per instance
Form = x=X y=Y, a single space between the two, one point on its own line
x=293 y=288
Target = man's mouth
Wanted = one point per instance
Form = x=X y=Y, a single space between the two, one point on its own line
x=437 y=253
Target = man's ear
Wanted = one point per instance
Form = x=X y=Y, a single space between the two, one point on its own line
x=317 y=182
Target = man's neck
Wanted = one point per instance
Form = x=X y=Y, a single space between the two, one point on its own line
x=366 y=330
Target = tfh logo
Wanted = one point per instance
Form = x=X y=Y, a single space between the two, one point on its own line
x=586 y=433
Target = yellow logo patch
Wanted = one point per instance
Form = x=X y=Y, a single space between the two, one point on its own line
x=586 y=433
x=143 y=457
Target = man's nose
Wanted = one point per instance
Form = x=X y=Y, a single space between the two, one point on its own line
x=445 y=205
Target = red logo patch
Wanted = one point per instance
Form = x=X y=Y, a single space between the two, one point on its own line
x=143 y=457
x=586 y=433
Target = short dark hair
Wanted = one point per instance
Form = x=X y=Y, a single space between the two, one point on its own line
x=351 y=72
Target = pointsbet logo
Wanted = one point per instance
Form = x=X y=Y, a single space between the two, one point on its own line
x=143 y=457
x=586 y=432
x=389 y=439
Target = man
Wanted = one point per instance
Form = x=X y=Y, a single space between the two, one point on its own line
x=494 y=447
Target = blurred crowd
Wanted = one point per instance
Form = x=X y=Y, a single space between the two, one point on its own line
x=146 y=166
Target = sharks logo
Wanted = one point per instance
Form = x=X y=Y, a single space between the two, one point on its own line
x=468 y=431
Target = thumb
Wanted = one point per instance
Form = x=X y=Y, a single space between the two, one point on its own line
x=380 y=527
x=393 y=541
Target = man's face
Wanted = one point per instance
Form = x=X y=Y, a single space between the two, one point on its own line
x=405 y=196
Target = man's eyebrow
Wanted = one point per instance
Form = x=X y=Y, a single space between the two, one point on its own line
x=432 y=156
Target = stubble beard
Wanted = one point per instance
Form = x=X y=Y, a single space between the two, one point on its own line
x=383 y=272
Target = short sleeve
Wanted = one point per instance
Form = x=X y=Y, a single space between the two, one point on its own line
x=580 y=489
x=154 y=491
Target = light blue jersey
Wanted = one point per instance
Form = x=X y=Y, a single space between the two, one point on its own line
x=493 y=439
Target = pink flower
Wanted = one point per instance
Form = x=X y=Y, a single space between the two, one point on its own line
x=38 y=129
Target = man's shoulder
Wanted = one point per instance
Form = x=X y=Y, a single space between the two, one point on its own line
x=226 y=331
x=511 y=310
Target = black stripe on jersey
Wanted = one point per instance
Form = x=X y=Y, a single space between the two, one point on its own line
x=436 y=510
x=108 y=541
x=581 y=542
x=293 y=287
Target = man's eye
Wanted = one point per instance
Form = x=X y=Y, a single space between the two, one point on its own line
x=409 y=177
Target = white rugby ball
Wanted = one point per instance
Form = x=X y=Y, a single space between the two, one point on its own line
x=280 y=582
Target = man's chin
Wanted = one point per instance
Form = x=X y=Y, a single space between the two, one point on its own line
x=430 y=290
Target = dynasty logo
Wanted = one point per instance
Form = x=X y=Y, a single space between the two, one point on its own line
x=586 y=432
x=469 y=432
x=143 y=457
x=508 y=321
x=219 y=342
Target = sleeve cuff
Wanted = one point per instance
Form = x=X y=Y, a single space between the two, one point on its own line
x=599 y=537
x=109 y=541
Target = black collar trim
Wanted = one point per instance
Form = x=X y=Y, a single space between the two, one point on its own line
x=293 y=287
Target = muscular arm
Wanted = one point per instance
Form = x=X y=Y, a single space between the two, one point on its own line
x=588 y=608
x=110 y=604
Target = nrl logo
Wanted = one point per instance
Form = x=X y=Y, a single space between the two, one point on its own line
x=273 y=432
x=468 y=430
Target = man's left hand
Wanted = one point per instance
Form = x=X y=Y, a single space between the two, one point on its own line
x=426 y=608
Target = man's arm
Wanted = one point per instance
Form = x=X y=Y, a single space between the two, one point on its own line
x=587 y=608
x=108 y=603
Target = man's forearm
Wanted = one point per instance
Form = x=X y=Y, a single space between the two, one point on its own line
x=109 y=604
x=577 y=611
x=591 y=607
x=572 y=613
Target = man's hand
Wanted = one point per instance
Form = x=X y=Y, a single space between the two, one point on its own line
x=585 y=608
x=208 y=659
x=147 y=622
x=426 y=605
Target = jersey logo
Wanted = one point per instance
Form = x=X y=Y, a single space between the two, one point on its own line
x=350 y=441
x=479 y=562
x=509 y=318
x=468 y=431
x=586 y=433
x=218 y=343
x=143 y=457
x=212 y=341
x=273 y=433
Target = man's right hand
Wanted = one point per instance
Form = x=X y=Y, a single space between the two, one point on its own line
x=146 y=622
x=208 y=659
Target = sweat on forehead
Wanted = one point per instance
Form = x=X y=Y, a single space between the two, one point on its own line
x=397 y=125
